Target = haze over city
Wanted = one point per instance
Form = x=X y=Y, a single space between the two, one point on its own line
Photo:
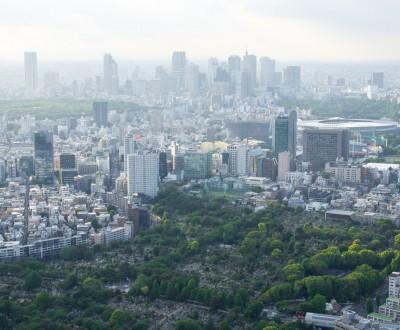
x=304 y=30
x=200 y=165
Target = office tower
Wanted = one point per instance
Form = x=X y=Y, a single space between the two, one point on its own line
x=234 y=63
x=268 y=167
x=267 y=67
x=162 y=163
x=292 y=77
x=246 y=84
x=212 y=71
x=31 y=82
x=44 y=158
x=26 y=166
x=378 y=79
x=249 y=65
x=197 y=165
x=292 y=133
x=281 y=135
x=284 y=160
x=234 y=68
x=324 y=145
x=192 y=78
x=110 y=75
x=67 y=161
x=340 y=82
x=157 y=121
x=100 y=113
x=285 y=134
x=258 y=130
x=178 y=69
x=142 y=173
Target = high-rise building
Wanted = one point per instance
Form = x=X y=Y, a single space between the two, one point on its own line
x=292 y=77
x=31 y=81
x=44 y=158
x=162 y=163
x=67 y=161
x=285 y=134
x=178 y=69
x=192 y=78
x=100 y=113
x=110 y=75
x=26 y=166
x=292 y=133
x=267 y=67
x=234 y=63
x=197 y=164
x=246 y=84
x=284 y=160
x=212 y=71
x=324 y=145
x=249 y=65
x=281 y=135
x=142 y=173
x=258 y=130
x=234 y=68
x=378 y=79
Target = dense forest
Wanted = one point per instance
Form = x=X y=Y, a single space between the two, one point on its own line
x=54 y=108
x=353 y=108
x=217 y=261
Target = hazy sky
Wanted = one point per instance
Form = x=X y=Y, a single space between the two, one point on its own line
x=304 y=30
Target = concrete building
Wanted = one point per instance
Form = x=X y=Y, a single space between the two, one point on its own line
x=267 y=77
x=197 y=164
x=44 y=158
x=142 y=173
x=100 y=113
x=324 y=145
x=31 y=78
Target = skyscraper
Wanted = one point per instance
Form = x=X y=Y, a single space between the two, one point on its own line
x=142 y=173
x=378 y=79
x=31 y=83
x=267 y=72
x=110 y=75
x=100 y=113
x=292 y=77
x=285 y=134
x=234 y=63
x=324 y=145
x=178 y=69
x=249 y=64
x=44 y=158
x=292 y=133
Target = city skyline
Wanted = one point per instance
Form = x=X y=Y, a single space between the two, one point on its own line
x=306 y=31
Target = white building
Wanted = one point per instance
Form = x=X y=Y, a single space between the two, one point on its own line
x=283 y=164
x=142 y=173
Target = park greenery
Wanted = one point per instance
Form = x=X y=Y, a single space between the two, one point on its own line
x=209 y=253
x=353 y=108
x=57 y=108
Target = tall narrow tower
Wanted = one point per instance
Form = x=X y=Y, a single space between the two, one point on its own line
x=31 y=83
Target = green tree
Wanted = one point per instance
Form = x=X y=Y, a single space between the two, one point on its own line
x=187 y=324
x=117 y=318
x=369 y=306
x=253 y=309
x=32 y=281
x=42 y=300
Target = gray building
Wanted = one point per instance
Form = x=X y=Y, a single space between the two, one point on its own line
x=44 y=158
x=197 y=165
x=324 y=145
x=31 y=82
x=100 y=113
